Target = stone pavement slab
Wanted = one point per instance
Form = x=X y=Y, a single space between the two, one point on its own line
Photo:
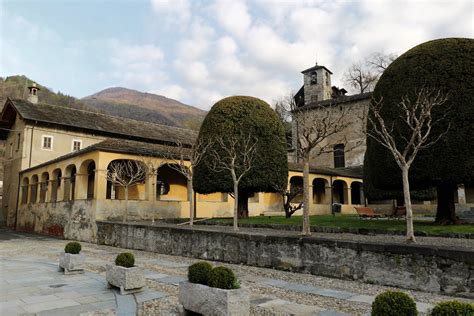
x=174 y=280
x=126 y=305
x=43 y=306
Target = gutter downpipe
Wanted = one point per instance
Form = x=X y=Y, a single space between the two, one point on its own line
x=31 y=143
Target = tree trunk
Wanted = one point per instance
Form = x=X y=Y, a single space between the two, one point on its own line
x=236 y=202
x=126 y=205
x=445 y=212
x=406 y=194
x=191 y=201
x=306 y=226
x=243 y=203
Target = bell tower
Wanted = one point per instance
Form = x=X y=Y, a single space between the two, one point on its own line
x=317 y=84
x=33 y=93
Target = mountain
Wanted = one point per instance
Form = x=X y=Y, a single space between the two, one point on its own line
x=145 y=106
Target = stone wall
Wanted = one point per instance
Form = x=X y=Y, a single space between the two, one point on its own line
x=414 y=267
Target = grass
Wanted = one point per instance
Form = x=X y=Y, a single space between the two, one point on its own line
x=351 y=221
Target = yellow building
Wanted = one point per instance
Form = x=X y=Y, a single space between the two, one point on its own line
x=57 y=159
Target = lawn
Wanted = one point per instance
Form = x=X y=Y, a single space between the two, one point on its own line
x=351 y=221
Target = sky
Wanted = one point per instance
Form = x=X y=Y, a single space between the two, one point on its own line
x=201 y=51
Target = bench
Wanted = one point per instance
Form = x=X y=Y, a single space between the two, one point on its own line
x=366 y=212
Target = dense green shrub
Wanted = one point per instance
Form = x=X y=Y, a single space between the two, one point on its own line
x=223 y=278
x=73 y=248
x=199 y=272
x=125 y=259
x=241 y=116
x=453 y=308
x=393 y=303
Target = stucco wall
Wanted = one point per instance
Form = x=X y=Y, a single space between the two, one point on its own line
x=425 y=268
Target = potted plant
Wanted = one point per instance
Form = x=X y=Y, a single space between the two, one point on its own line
x=213 y=291
x=125 y=275
x=71 y=261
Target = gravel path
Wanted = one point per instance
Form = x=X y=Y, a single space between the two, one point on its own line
x=250 y=277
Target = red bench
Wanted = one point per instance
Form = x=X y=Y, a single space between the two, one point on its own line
x=366 y=212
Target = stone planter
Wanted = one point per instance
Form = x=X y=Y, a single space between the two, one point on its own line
x=128 y=280
x=207 y=300
x=71 y=263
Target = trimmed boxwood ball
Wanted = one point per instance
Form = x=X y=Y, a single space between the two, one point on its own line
x=199 y=272
x=393 y=303
x=448 y=65
x=453 y=308
x=223 y=278
x=125 y=259
x=241 y=116
x=73 y=248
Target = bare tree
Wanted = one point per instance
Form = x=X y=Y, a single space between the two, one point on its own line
x=416 y=117
x=288 y=197
x=184 y=160
x=318 y=129
x=363 y=75
x=126 y=173
x=234 y=154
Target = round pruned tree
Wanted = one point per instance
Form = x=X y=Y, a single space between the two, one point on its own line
x=448 y=66
x=258 y=135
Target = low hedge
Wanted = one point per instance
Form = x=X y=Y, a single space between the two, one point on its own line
x=393 y=303
x=125 y=259
x=73 y=248
x=453 y=308
x=199 y=272
x=223 y=278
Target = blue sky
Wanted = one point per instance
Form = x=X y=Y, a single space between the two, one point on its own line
x=201 y=51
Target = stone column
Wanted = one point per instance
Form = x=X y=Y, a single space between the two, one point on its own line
x=461 y=194
x=100 y=184
x=349 y=196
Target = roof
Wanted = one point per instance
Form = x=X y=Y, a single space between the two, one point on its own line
x=140 y=149
x=100 y=123
x=351 y=172
x=315 y=68
x=337 y=101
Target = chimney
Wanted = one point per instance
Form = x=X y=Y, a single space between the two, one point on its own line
x=33 y=93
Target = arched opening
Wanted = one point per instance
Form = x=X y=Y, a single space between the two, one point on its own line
x=319 y=191
x=170 y=184
x=44 y=187
x=25 y=184
x=296 y=185
x=339 y=192
x=87 y=179
x=70 y=183
x=356 y=193
x=55 y=184
x=123 y=174
x=34 y=189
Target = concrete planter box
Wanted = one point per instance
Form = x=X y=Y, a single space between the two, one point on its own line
x=207 y=300
x=128 y=280
x=71 y=263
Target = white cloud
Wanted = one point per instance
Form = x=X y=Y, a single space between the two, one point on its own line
x=173 y=11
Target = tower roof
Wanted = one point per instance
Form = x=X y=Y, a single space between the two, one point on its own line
x=316 y=67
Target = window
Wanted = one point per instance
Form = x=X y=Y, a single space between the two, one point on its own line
x=339 y=160
x=76 y=145
x=18 y=141
x=47 y=143
x=313 y=78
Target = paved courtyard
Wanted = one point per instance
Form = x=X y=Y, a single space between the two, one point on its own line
x=31 y=285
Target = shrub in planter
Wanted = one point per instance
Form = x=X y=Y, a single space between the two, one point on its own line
x=199 y=272
x=222 y=296
x=125 y=275
x=453 y=308
x=125 y=259
x=393 y=303
x=73 y=248
x=70 y=261
x=223 y=278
